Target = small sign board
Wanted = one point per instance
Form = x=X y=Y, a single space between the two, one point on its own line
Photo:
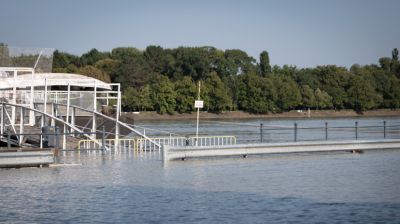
x=198 y=104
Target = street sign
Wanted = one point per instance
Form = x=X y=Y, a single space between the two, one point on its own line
x=198 y=104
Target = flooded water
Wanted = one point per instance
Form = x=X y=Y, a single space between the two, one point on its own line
x=127 y=187
x=282 y=130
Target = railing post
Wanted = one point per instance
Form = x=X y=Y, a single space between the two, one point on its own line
x=103 y=135
x=295 y=132
x=261 y=132
x=326 y=131
x=356 y=128
x=384 y=129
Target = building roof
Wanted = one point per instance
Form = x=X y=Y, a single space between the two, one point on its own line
x=53 y=79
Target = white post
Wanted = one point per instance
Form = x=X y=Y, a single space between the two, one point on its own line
x=68 y=102
x=67 y=117
x=94 y=128
x=45 y=98
x=21 y=125
x=32 y=113
x=14 y=99
x=198 y=115
x=2 y=119
x=119 y=99
x=94 y=97
x=73 y=114
x=107 y=98
x=117 y=117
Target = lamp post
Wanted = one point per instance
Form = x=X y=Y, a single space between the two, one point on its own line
x=198 y=104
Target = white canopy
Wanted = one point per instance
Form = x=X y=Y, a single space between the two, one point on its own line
x=53 y=79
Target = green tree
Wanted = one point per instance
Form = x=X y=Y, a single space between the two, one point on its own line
x=137 y=100
x=256 y=94
x=322 y=99
x=163 y=95
x=288 y=93
x=62 y=60
x=133 y=69
x=362 y=95
x=385 y=63
x=395 y=66
x=238 y=62
x=185 y=94
x=94 y=72
x=308 y=97
x=156 y=58
x=93 y=56
x=145 y=102
x=130 y=97
x=218 y=97
x=109 y=66
x=4 y=55
x=392 y=93
x=395 y=54
x=334 y=80
x=265 y=66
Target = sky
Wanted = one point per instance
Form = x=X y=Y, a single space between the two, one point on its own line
x=303 y=33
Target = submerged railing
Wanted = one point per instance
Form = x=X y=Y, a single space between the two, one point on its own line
x=155 y=143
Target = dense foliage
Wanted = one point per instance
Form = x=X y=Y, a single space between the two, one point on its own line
x=166 y=80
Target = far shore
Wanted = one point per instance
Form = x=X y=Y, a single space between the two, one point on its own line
x=231 y=115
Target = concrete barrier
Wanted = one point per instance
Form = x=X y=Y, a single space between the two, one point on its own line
x=26 y=159
x=173 y=153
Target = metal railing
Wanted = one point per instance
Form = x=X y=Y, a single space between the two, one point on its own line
x=49 y=140
x=109 y=143
x=155 y=143
x=327 y=132
x=212 y=140
x=285 y=130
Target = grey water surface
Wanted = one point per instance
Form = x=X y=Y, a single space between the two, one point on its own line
x=131 y=187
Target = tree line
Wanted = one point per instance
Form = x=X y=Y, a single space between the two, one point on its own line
x=165 y=80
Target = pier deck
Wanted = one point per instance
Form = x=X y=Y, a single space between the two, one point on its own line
x=173 y=153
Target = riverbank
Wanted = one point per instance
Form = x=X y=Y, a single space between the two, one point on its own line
x=229 y=115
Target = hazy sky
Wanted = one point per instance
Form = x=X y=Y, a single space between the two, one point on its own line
x=302 y=33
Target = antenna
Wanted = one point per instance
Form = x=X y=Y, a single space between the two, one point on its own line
x=37 y=60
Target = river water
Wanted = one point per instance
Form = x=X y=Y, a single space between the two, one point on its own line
x=128 y=187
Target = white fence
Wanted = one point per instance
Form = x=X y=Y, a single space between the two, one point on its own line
x=153 y=144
